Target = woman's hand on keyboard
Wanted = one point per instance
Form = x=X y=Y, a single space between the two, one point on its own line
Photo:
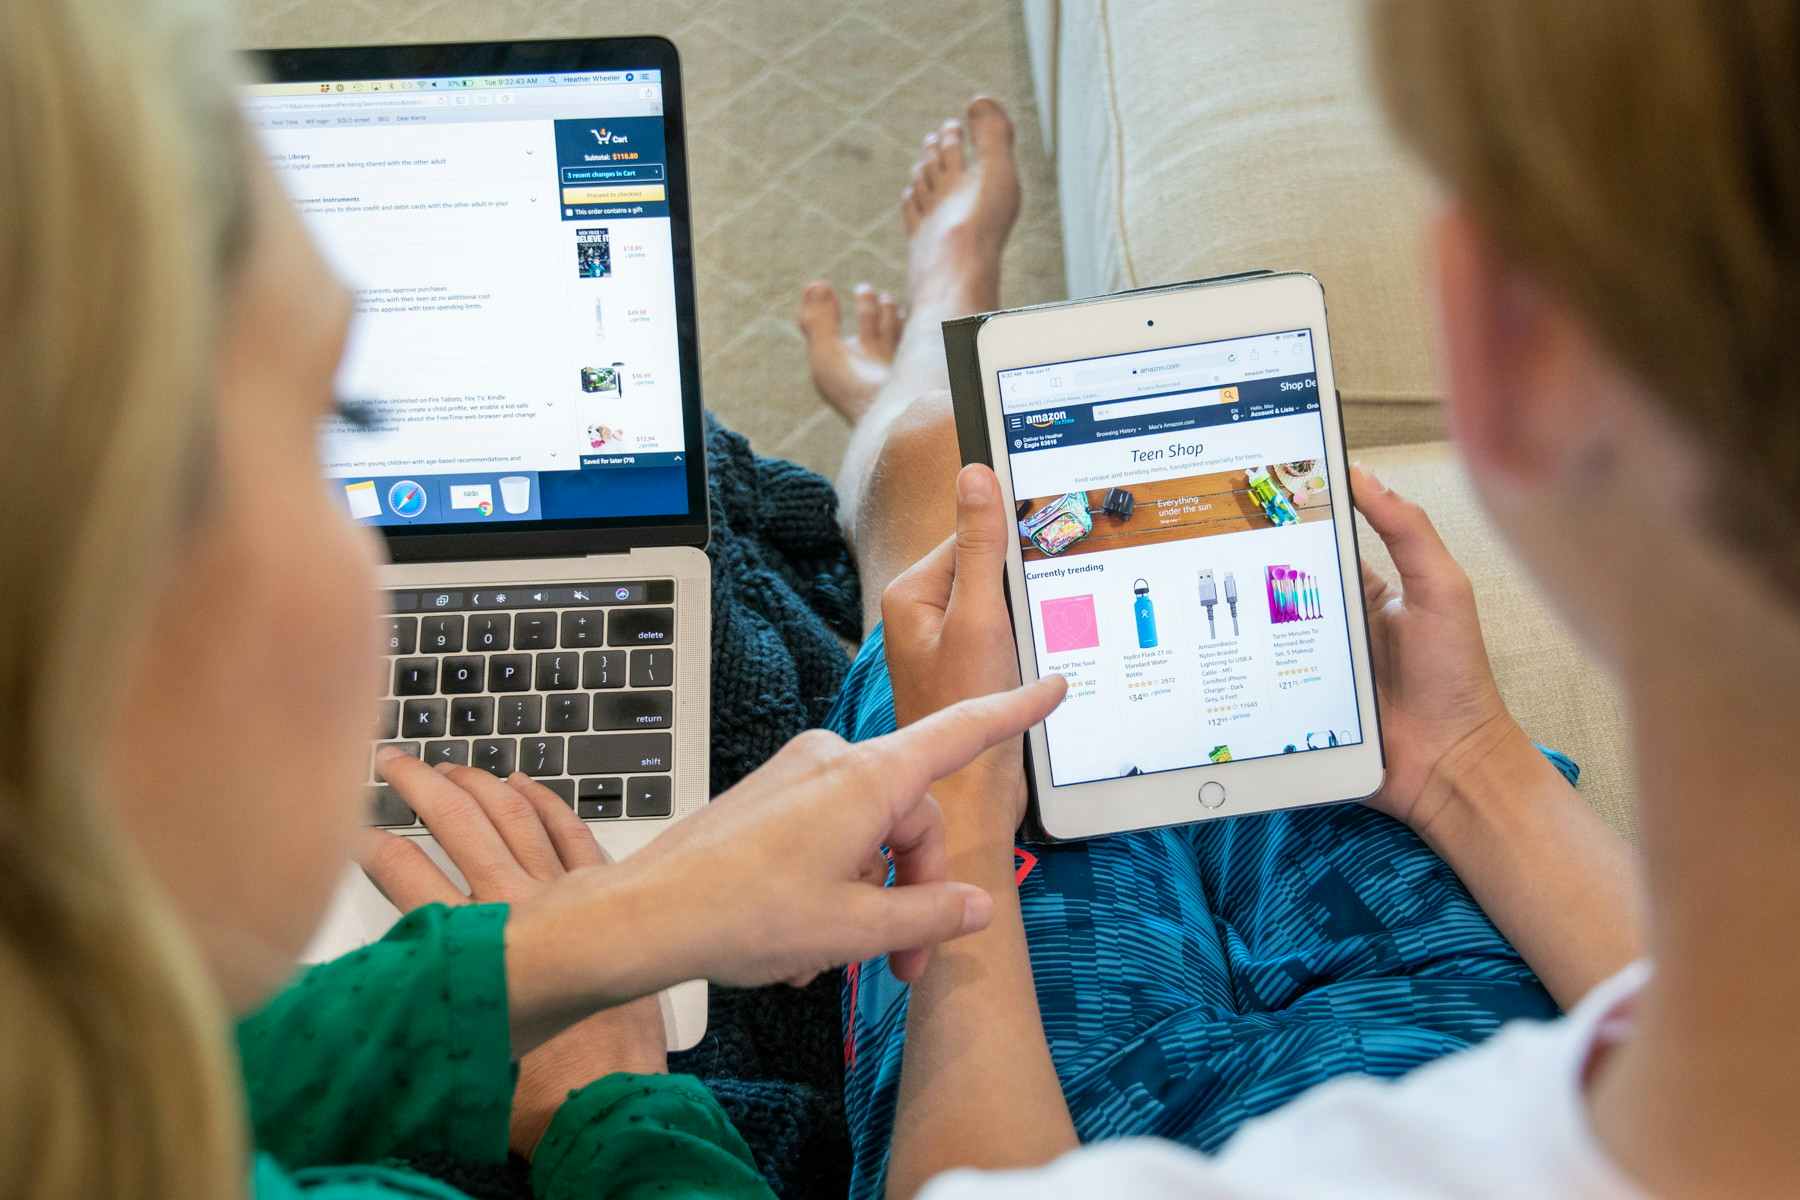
x=769 y=882
x=512 y=839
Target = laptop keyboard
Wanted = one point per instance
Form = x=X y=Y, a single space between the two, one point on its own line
x=573 y=684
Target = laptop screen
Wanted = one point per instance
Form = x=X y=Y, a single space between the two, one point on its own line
x=517 y=343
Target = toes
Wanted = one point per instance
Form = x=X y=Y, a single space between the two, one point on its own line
x=921 y=186
x=989 y=126
x=950 y=147
x=868 y=315
x=942 y=160
x=819 y=313
x=888 y=322
x=931 y=166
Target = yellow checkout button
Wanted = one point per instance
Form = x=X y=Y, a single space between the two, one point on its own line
x=630 y=193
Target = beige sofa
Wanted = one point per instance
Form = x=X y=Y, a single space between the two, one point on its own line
x=1194 y=137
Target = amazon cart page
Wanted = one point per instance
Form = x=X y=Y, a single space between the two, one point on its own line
x=507 y=241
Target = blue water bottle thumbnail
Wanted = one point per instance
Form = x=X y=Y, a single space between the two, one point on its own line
x=1145 y=612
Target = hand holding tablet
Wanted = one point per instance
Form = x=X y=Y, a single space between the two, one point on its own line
x=1211 y=628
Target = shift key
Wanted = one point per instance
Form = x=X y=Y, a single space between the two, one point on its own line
x=641 y=627
x=618 y=753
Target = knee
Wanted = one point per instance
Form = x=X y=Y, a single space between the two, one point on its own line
x=906 y=501
x=921 y=443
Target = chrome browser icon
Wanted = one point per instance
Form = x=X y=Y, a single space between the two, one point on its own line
x=407 y=499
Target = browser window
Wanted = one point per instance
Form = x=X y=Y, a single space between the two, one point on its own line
x=1180 y=559
x=508 y=243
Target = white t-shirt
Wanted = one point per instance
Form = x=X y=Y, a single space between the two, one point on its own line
x=1507 y=1118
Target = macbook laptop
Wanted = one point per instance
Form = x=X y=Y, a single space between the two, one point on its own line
x=513 y=221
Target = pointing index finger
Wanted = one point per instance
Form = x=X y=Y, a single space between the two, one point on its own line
x=912 y=759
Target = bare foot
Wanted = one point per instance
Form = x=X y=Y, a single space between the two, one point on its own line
x=958 y=213
x=848 y=371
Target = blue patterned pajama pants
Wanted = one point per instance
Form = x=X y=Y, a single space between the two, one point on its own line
x=1193 y=978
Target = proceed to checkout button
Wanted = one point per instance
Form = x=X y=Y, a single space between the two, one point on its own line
x=636 y=193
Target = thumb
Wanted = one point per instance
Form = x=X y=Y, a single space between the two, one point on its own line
x=982 y=532
x=1411 y=539
x=906 y=922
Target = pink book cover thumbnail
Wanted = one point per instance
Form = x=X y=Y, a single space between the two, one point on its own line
x=1069 y=624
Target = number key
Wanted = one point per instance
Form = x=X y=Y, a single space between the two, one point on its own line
x=402 y=635
x=489 y=631
x=443 y=635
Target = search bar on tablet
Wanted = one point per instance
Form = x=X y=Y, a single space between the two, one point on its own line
x=1161 y=404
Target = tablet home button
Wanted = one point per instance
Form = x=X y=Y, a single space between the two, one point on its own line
x=1212 y=794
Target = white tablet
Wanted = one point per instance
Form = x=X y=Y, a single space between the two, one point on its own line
x=1185 y=557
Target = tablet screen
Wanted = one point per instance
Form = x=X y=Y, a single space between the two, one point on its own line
x=1180 y=558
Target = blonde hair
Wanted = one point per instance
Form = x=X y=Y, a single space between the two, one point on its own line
x=1643 y=161
x=123 y=199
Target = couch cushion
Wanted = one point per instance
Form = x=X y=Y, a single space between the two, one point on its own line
x=1196 y=137
x=1558 y=693
x=1041 y=18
